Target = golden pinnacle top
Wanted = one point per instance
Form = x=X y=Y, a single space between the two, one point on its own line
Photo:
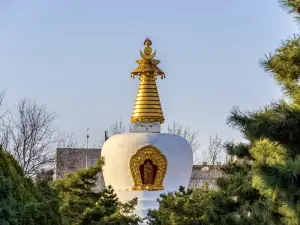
x=147 y=107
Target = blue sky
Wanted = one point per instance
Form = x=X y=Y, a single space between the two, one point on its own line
x=76 y=57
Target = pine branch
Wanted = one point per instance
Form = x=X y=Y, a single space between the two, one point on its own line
x=291 y=6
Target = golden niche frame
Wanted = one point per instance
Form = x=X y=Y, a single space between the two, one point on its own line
x=152 y=153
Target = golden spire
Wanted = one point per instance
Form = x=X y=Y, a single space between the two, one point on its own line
x=147 y=107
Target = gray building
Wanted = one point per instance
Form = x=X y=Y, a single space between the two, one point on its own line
x=205 y=173
x=70 y=160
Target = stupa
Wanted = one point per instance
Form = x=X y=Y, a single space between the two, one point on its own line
x=145 y=163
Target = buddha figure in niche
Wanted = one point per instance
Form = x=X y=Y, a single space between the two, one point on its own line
x=148 y=172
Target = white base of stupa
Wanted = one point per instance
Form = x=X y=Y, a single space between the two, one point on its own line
x=117 y=152
x=146 y=200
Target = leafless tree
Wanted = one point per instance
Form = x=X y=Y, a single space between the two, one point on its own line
x=67 y=141
x=1 y=103
x=213 y=156
x=130 y=127
x=119 y=128
x=4 y=125
x=98 y=145
x=30 y=136
x=215 y=150
x=186 y=132
x=3 y=110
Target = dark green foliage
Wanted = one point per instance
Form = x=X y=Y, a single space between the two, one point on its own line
x=234 y=202
x=246 y=204
x=7 y=204
x=73 y=200
x=183 y=208
x=27 y=202
x=274 y=135
x=292 y=7
x=83 y=204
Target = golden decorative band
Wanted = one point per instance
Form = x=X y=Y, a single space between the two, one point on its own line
x=149 y=94
x=148 y=90
x=147 y=119
x=146 y=98
x=147 y=111
x=139 y=106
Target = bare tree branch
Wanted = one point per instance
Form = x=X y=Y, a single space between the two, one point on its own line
x=32 y=136
x=117 y=128
x=186 y=132
x=215 y=151
x=130 y=127
x=2 y=114
x=67 y=141
x=4 y=134
x=1 y=102
x=4 y=125
x=29 y=134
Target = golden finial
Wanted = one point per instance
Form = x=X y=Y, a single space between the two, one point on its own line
x=147 y=107
x=147 y=65
x=147 y=50
x=148 y=42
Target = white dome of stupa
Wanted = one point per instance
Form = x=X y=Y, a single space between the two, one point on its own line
x=118 y=151
x=145 y=162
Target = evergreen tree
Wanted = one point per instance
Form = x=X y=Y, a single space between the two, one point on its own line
x=274 y=133
x=26 y=203
x=234 y=202
x=83 y=204
x=183 y=207
x=237 y=201
x=7 y=204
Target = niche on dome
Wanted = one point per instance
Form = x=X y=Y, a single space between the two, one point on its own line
x=148 y=169
x=148 y=172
